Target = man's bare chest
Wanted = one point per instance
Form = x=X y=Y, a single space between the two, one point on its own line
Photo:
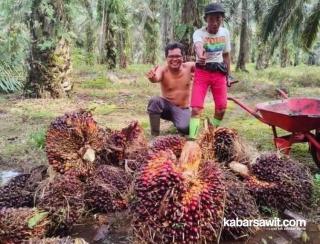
x=172 y=82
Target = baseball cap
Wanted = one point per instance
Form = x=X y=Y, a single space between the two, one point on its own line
x=213 y=8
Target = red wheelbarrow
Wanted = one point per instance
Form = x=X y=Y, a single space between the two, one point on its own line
x=300 y=116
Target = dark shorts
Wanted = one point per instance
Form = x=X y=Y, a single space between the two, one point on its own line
x=168 y=111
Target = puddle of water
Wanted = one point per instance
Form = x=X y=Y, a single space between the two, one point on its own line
x=5 y=176
x=116 y=229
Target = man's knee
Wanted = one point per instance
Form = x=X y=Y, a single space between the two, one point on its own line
x=155 y=105
x=183 y=127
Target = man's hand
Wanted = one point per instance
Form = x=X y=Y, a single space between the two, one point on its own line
x=151 y=75
x=231 y=80
x=202 y=59
x=201 y=53
x=228 y=77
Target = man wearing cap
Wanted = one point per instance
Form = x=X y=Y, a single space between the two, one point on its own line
x=212 y=47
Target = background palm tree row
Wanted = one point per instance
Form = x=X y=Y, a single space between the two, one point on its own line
x=38 y=37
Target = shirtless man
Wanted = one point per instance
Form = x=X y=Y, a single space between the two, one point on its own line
x=175 y=79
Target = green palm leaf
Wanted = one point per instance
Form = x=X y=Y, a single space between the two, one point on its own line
x=311 y=28
x=10 y=78
x=281 y=16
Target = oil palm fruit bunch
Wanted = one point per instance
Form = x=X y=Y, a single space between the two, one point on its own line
x=121 y=143
x=227 y=146
x=134 y=135
x=19 y=181
x=173 y=142
x=63 y=198
x=20 y=224
x=72 y=142
x=19 y=191
x=175 y=202
x=292 y=182
x=66 y=240
x=13 y=194
x=239 y=205
x=106 y=191
x=135 y=159
x=114 y=149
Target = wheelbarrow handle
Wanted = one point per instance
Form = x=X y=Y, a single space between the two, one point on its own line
x=231 y=81
x=282 y=93
x=253 y=112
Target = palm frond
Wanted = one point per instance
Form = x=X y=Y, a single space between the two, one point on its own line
x=280 y=17
x=283 y=17
x=297 y=27
x=311 y=28
x=10 y=78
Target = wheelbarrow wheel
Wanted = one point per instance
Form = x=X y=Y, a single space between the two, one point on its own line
x=314 y=152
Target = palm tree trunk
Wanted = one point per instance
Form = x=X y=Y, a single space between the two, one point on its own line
x=110 y=44
x=122 y=49
x=297 y=57
x=284 y=55
x=243 y=51
x=190 y=20
x=166 y=24
x=312 y=59
x=261 y=56
x=101 y=12
x=49 y=61
x=90 y=37
x=152 y=34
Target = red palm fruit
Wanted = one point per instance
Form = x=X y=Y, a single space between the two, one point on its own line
x=134 y=136
x=239 y=204
x=13 y=195
x=19 y=191
x=135 y=159
x=19 y=224
x=173 y=142
x=292 y=183
x=121 y=144
x=172 y=206
x=72 y=141
x=63 y=198
x=227 y=146
x=107 y=190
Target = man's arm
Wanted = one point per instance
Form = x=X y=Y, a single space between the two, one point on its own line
x=226 y=51
x=155 y=74
x=226 y=60
x=192 y=66
x=198 y=47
